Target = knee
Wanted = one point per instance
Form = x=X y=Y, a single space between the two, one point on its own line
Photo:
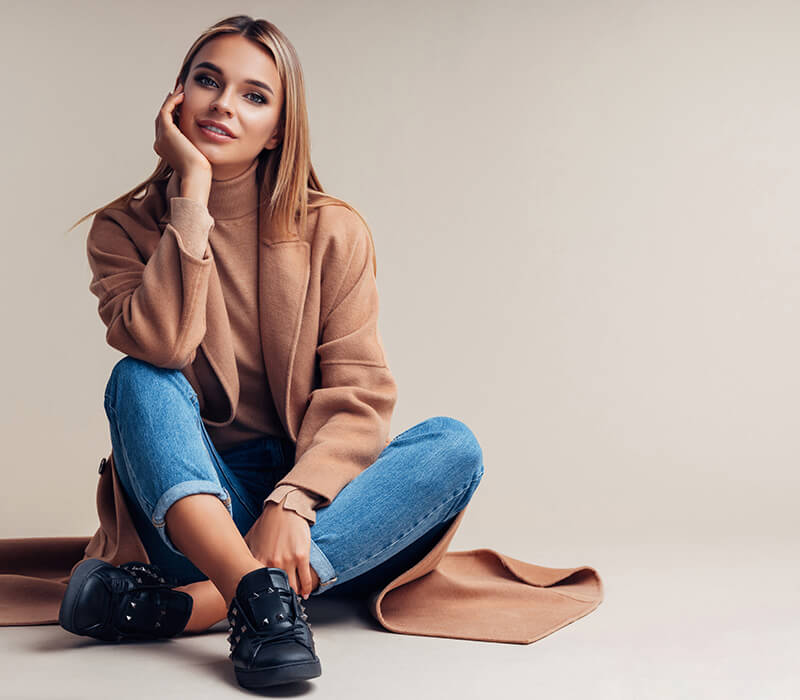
x=463 y=455
x=127 y=376
x=133 y=379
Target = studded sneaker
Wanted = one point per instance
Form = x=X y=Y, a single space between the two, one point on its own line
x=116 y=603
x=270 y=640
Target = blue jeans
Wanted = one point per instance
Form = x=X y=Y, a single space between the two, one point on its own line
x=379 y=525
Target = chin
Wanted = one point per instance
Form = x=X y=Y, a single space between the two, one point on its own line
x=203 y=147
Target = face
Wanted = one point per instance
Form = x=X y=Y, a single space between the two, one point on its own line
x=224 y=94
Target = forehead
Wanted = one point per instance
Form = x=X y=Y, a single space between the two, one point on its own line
x=240 y=59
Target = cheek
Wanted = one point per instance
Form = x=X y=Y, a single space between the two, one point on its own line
x=190 y=110
x=261 y=128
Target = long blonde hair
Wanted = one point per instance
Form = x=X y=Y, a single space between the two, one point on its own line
x=285 y=173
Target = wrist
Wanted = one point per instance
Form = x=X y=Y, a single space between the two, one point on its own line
x=196 y=186
x=281 y=508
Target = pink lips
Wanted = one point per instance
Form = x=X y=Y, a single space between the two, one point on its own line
x=214 y=136
x=210 y=122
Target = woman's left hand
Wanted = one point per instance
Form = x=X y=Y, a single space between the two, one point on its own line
x=282 y=538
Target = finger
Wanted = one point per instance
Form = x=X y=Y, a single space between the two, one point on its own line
x=171 y=102
x=292 y=573
x=304 y=569
x=172 y=97
x=167 y=111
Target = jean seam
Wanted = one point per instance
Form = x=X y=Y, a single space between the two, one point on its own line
x=231 y=488
x=191 y=394
x=431 y=512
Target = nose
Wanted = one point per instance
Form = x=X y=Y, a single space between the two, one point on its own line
x=222 y=103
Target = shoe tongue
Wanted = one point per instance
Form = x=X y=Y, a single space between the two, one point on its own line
x=262 y=579
x=265 y=596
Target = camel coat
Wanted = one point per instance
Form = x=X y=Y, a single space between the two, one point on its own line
x=333 y=391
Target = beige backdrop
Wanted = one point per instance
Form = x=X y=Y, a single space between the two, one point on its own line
x=586 y=221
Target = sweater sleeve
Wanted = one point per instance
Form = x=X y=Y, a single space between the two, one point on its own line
x=154 y=310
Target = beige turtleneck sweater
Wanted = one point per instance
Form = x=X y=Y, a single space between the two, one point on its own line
x=231 y=223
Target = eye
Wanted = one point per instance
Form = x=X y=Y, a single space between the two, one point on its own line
x=260 y=100
x=200 y=78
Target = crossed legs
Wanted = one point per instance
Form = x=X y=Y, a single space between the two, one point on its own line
x=190 y=510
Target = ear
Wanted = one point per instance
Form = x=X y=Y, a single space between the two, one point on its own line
x=274 y=140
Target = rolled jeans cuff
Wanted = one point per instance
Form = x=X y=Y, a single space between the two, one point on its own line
x=319 y=562
x=175 y=493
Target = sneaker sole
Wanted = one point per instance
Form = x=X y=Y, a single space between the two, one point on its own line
x=66 y=613
x=287 y=673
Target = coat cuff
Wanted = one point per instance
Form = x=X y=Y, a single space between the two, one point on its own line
x=296 y=499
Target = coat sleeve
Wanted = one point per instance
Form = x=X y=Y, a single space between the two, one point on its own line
x=154 y=310
x=296 y=499
x=347 y=420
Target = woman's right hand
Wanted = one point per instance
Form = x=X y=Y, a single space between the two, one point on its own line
x=282 y=538
x=173 y=145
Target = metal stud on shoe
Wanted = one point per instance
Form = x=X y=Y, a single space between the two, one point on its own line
x=135 y=601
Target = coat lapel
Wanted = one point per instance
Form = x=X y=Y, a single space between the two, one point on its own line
x=284 y=268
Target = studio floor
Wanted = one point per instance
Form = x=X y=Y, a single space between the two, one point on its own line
x=717 y=619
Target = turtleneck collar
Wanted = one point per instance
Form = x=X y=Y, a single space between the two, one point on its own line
x=234 y=197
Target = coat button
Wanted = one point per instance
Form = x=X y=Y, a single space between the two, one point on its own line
x=102 y=465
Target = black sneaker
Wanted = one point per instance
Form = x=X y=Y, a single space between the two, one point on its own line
x=270 y=640
x=116 y=603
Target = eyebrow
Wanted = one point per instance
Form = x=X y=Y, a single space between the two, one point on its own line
x=217 y=69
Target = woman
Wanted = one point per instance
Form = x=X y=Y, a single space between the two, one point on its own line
x=249 y=418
